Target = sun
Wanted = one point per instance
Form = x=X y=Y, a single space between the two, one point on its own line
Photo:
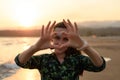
x=26 y=14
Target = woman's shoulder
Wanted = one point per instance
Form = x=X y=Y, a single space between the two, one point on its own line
x=45 y=55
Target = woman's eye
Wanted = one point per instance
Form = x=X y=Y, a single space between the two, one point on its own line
x=65 y=39
x=57 y=37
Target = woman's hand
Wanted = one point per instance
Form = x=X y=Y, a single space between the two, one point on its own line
x=73 y=35
x=45 y=37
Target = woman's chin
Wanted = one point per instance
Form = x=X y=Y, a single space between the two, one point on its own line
x=59 y=51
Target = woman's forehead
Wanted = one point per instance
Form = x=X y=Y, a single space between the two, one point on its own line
x=60 y=30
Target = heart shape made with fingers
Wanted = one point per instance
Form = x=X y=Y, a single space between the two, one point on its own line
x=59 y=39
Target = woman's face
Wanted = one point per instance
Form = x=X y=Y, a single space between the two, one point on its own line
x=59 y=39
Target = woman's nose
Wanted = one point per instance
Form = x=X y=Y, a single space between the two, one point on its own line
x=61 y=42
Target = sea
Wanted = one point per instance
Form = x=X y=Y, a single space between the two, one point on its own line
x=9 y=48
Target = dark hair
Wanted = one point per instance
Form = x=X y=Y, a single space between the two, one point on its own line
x=60 y=25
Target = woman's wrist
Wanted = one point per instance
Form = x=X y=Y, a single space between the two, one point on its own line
x=84 y=46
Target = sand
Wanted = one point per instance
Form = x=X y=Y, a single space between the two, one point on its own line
x=107 y=47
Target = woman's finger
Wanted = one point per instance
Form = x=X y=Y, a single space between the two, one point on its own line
x=64 y=45
x=76 y=27
x=65 y=34
x=67 y=26
x=47 y=27
x=53 y=46
x=53 y=34
x=42 y=31
x=71 y=26
x=51 y=27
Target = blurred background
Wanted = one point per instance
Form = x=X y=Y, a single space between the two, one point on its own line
x=21 y=20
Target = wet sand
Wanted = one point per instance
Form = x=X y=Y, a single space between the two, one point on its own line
x=106 y=46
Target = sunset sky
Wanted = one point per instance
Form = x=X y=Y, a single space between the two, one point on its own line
x=20 y=14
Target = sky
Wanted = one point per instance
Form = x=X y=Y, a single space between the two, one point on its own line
x=26 y=14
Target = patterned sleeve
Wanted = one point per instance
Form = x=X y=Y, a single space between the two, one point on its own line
x=89 y=66
x=32 y=63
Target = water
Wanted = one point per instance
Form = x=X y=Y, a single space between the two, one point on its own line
x=9 y=48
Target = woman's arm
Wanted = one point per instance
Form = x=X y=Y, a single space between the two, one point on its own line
x=76 y=41
x=26 y=55
x=91 y=52
x=94 y=56
x=42 y=43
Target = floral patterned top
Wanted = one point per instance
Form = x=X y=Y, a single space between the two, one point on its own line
x=51 y=69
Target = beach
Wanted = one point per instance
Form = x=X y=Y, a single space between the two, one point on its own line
x=108 y=47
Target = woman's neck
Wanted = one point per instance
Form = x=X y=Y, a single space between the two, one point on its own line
x=60 y=57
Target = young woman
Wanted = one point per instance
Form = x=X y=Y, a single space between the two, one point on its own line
x=66 y=62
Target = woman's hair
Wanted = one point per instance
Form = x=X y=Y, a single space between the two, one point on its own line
x=59 y=25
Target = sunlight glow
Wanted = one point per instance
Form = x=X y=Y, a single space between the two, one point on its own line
x=26 y=14
x=29 y=14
